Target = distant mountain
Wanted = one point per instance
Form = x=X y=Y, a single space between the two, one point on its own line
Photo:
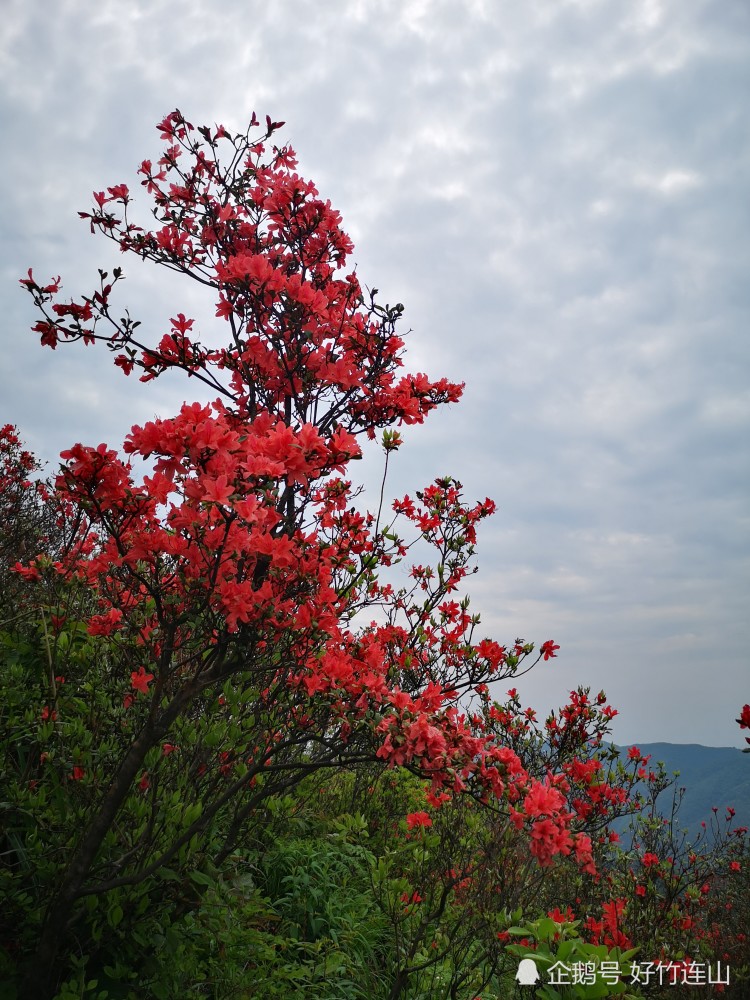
x=711 y=776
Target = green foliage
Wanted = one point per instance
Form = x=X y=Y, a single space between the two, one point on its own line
x=331 y=893
x=557 y=944
x=320 y=890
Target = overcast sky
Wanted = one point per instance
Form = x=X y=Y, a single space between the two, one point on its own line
x=557 y=190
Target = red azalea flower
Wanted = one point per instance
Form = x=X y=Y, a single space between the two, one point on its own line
x=418 y=819
x=413 y=898
x=562 y=918
x=77 y=773
x=548 y=649
x=437 y=800
x=140 y=680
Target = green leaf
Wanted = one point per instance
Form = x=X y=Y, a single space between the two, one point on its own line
x=167 y=875
x=548 y=993
x=545 y=928
x=200 y=878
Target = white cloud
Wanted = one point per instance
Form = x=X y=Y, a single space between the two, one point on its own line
x=553 y=191
x=672 y=182
x=647 y=15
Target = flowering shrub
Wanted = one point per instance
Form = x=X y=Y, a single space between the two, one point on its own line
x=201 y=640
x=227 y=590
x=28 y=521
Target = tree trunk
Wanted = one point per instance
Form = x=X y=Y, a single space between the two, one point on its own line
x=40 y=980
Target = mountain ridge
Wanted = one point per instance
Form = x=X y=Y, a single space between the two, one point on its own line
x=715 y=779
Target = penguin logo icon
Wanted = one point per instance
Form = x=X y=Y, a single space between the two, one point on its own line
x=527 y=974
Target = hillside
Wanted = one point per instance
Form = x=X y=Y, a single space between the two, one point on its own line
x=711 y=776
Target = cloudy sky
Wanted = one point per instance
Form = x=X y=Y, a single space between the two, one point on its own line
x=557 y=190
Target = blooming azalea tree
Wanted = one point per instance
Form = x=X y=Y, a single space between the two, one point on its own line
x=30 y=522
x=239 y=633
